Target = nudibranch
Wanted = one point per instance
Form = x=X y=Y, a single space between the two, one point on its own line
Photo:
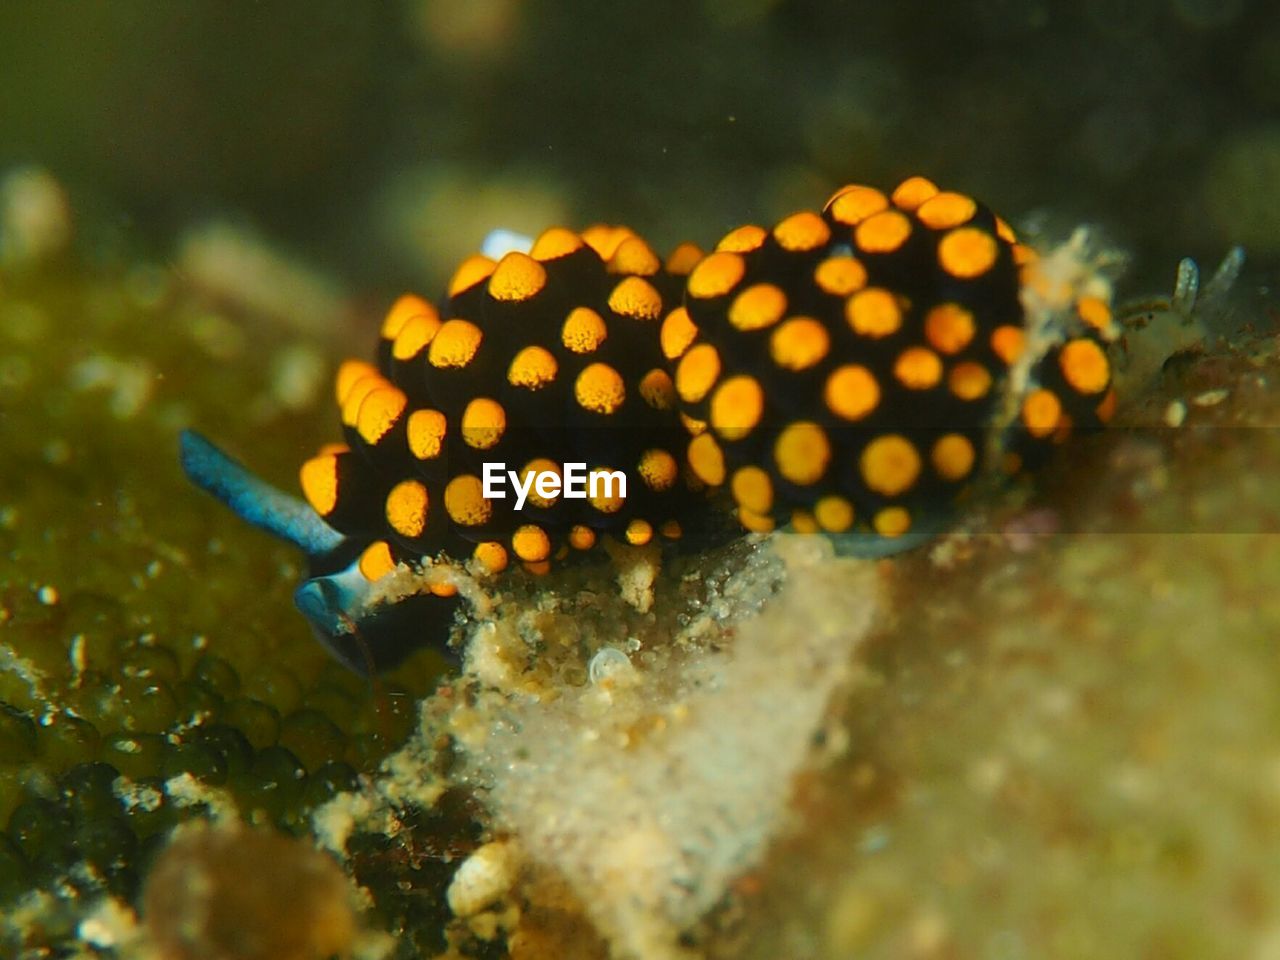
x=851 y=372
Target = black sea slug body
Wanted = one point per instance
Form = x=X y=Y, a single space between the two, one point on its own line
x=851 y=372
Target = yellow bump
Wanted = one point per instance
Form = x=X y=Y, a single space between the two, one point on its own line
x=949 y=327
x=356 y=394
x=851 y=205
x=851 y=392
x=532 y=367
x=890 y=465
x=697 y=372
x=554 y=243
x=967 y=252
x=802 y=452
x=318 y=478
x=416 y=333
x=491 y=556
x=802 y=231
x=636 y=297
x=455 y=344
x=969 y=380
x=671 y=530
x=657 y=390
x=583 y=331
x=736 y=407
x=517 y=277
x=952 y=456
x=840 y=276
x=464 y=501
x=599 y=388
x=426 y=430
x=531 y=543
x=752 y=489
x=1085 y=366
x=683 y=259
x=639 y=532
x=470 y=272
x=536 y=466
x=678 y=331
x=1095 y=312
x=716 y=275
x=634 y=256
x=912 y=192
x=581 y=537
x=605 y=239
x=706 y=459
x=406 y=308
x=799 y=343
x=946 y=210
x=483 y=423
x=658 y=469
x=1004 y=231
x=755 y=522
x=379 y=413
x=834 y=514
x=1008 y=343
x=1041 y=412
x=882 y=232
x=802 y=521
x=604 y=502
x=873 y=312
x=892 y=522
x=442 y=589
x=376 y=561
x=406 y=508
x=918 y=368
x=744 y=239
x=349 y=374
x=759 y=306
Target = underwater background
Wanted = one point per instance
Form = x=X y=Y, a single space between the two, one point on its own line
x=1052 y=736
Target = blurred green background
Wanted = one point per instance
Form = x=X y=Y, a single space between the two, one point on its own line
x=382 y=140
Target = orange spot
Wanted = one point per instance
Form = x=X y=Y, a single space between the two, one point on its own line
x=639 y=532
x=697 y=372
x=1084 y=366
x=1041 y=412
x=744 y=239
x=918 y=368
x=464 y=501
x=678 y=331
x=658 y=469
x=657 y=390
x=599 y=388
x=671 y=530
x=799 y=343
x=491 y=556
x=853 y=204
x=706 y=459
x=1008 y=343
x=470 y=272
x=833 y=514
x=949 y=327
x=376 y=561
x=636 y=297
x=406 y=308
x=969 y=380
x=318 y=478
x=967 y=252
x=350 y=373
x=840 y=276
x=483 y=423
x=533 y=367
x=415 y=335
x=1022 y=255
x=517 y=277
x=873 y=312
x=802 y=521
x=890 y=465
x=912 y=192
x=426 y=430
x=581 y=537
x=892 y=522
x=802 y=452
x=406 y=508
x=757 y=307
x=802 y=231
x=752 y=489
x=952 y=456
x=583 y=331
x=755 y=522
x=554 y=243
x=736 y=407
x=851 y=392
x=1095 y=312
x=455 y=344
x=1005 y=232
x=683 y=259
x=379 y=413
x=605 y=239
x=540 y=465
x=716 y=275
x=1107 y=408
x=882 y=232
x=531 y=543
x=634 y=256
x=947 y=210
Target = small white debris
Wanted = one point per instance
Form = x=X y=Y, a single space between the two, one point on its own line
x=1175 y=414
x=111 y=924
x=611 y=667
x=484 y=878
x=1210 y=398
